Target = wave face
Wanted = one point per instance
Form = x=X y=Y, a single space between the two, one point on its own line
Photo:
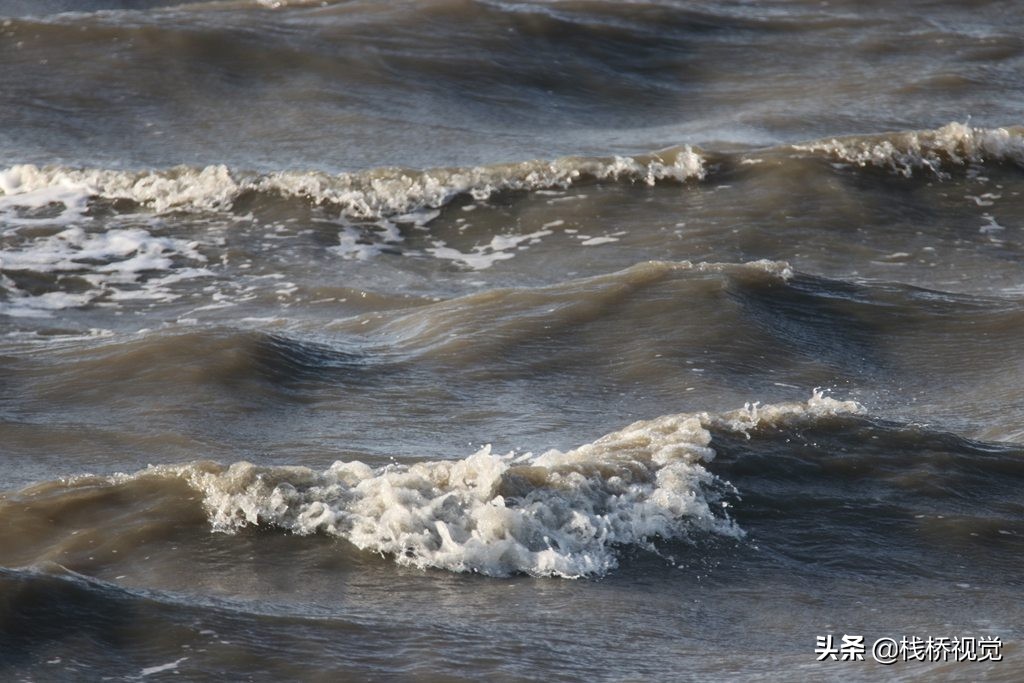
x=560 y=514
x=412 y=195
x=80 y=238
x=555 y=514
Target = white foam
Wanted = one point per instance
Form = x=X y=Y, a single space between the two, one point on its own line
x=379 y=193
x=170 y=666
x=124 y=251
x=557 y=514
x=73 y=201
x=21 y=305
x=991 y=225
x=929 y=150
x=482 y=257
x=358 y=244
x=119 y=263
x=595 y=241
x=352 y=246
x=208 y=188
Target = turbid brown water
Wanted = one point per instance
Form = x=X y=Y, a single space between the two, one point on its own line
x=568 y=340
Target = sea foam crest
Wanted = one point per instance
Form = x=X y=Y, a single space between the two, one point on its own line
x=556 y=514
x=379 y=193
x=928 y=150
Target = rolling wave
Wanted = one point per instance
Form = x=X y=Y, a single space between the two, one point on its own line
x=780 y=478
x=414 y=195
x=374 y=194
x=562 y=514
x=932 y=151
x=754 y=327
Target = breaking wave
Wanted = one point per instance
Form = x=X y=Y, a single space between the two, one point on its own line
x=561 y=514
x=934 y=151
x=379 y=193
x=414 y=195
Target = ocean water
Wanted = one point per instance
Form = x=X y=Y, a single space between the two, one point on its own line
x=564 y=340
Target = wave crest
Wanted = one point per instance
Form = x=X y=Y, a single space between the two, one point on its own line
x=380 y=193
x=928 y=150
x=557 y=514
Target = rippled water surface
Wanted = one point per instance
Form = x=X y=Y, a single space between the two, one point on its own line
x=566 y=340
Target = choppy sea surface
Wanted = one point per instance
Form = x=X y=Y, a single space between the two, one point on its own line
x=566 y=340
